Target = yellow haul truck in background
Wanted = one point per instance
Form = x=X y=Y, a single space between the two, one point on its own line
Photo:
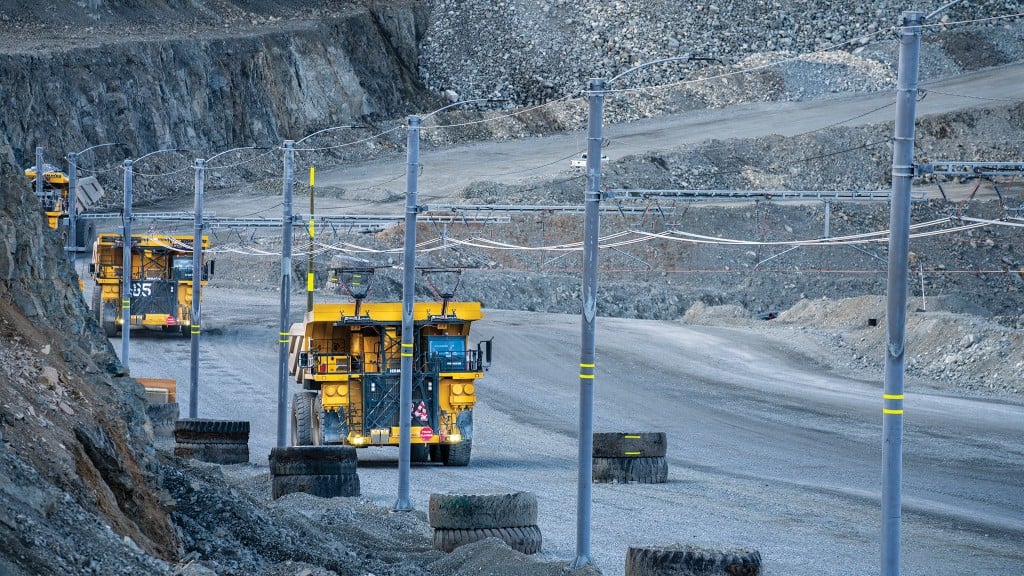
x=56 y=202
x=347 y=357
x=161 y=281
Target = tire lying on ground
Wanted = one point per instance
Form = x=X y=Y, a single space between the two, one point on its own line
x=630 y=457
x=216 y=441
x=163 y=416
x=462 y=518
x=325 y=471
x=629 y=444
x=692 y=561
x=627 y=470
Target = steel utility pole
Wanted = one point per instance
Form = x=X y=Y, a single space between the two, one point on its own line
x=591 y=232
x=39 y=176
x=72 y=244
x=408 y=327
x=896 y=290
x=286 y=286
x=126 y=266
x=312 y=234
x=197 y=287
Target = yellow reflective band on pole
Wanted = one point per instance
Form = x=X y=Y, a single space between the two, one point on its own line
x=312 y=232
x=587 y=376
x=195 y=328
x=312 y=176
x=126 y=304
x=892 y=396
x=283 y=337
x=309 y=282
x=586 y=365
x=632 y=453
x=888 y=411
x=404 y=353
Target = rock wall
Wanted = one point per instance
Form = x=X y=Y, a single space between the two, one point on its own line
x=212 y=91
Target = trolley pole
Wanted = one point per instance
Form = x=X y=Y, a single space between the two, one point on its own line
x=197 y=290
x=408 y=327
x=896 y=290
x=39 y=177
x=591 y=232
x=286 y=286
x=126 y=266
x=312 y=235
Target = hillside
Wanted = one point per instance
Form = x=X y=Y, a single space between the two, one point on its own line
x=85 y=490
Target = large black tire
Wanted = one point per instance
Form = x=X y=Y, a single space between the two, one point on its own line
x=302 y=423
x=214 y=452
x=325 y=486
x=526 y=539
x=163 y=416
x=457 y=454
x=106 y=316
x=692 y=561
x=459 y=511
x=419 y=452
x=629 y=444
x=312 y=460
x=198 y=430
x=435 y=453
x=85 y=233
x=626 y=470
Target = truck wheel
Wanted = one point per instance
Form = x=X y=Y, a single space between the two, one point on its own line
x=629 y=444
x=313 y=460
x=435 y=452
x=419 y=452
x=316 y=417
x=627 y=470
x=214 y=452
x=526 y=539
x=85 y=232
x=457 y=454
x=105 y=314
x=302 y=428
x=325 y=486
x=693 y=561
x=460 y=511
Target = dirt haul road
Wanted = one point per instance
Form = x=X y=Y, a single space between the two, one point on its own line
x=767 y=446
x=379 y=186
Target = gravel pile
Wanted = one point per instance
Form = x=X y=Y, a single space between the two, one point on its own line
x=536 y=50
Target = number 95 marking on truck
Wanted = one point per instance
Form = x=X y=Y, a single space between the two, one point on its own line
x=142 y=289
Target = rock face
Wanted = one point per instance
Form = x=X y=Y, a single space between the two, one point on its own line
x=248 y=83
x=78 y=479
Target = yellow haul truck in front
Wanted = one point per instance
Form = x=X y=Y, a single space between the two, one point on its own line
x=161 y=281
x=347 y=357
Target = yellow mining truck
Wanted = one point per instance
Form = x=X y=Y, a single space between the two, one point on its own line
x=161 y=281
x=56 y=202
x=347 y=358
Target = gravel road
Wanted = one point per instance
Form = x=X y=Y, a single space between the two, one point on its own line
x=769 y=447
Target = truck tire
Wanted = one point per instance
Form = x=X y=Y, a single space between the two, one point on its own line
x=106 y=316
x=628 y=470
x=323 y=485
x=302 y=424
x=692 y=561
x=163 y=416
x=85 y=233
x=214 y=452
x=526 y=539
x=419 y=452
x=457 y=454
x=199 y=430
x=313 y=461
x=629 y=444
x=435 y=453
x=459 y=511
